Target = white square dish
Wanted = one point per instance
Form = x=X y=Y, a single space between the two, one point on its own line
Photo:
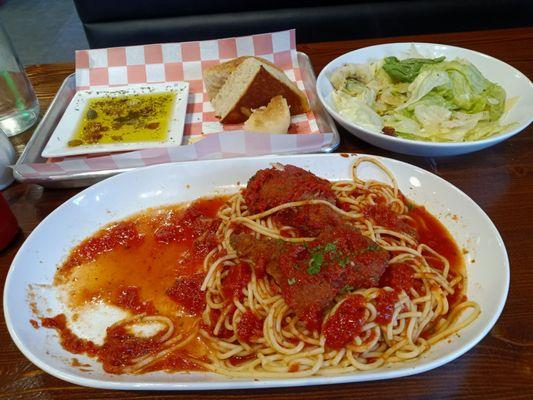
x=58 y=145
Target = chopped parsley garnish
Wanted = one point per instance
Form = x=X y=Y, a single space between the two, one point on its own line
x=317 y=257
x=343 y=261
x=330 y=247
x=373 y=247
x=346 y=289
x=319 y=252
x=291 y=281
x=315 y=263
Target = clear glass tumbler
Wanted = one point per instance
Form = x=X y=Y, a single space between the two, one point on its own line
x=19 y=107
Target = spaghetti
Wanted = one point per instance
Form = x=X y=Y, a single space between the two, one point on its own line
x=322 y=279
x=420 y=317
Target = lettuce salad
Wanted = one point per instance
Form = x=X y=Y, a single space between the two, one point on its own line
x=418 y=98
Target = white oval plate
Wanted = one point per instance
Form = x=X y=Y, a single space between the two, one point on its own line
x=130 y=192
x=515 y=83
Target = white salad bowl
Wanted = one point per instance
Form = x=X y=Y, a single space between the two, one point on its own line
x=516 y=85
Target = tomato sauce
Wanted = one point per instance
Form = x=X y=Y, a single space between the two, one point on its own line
x=236 y=360
x=385 y=306
x=195 y=227
x=294 y=367
x=178 y=361
x=186 y=291
x=347 y=322
x=130 y=299
x=223 y=332
x=236 y=280
x=249 y=327
x=150 y=263
x=401 y=277
x=68 y=339
x=431 y=232
x=122 y=347
x=123 y=234
x=137 y=257
x=382 y=215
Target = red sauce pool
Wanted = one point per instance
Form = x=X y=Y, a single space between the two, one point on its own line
x=432 y=233
x=381 y=215
x=137 y=266
x=130 y=299
x=140 y=264
x=123 y=234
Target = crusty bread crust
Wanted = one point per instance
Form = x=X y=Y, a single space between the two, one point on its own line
x=260 y=90
x=216 y=76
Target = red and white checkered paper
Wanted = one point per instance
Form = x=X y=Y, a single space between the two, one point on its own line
x=215 y=146
x=170 y=62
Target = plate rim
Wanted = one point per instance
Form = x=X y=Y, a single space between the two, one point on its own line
x=179 y=110
x=227 y=383
x=421 y=143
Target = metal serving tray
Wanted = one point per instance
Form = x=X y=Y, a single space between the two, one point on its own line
x=32 y=152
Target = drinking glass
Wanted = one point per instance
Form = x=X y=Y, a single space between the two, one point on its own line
x=19 y=107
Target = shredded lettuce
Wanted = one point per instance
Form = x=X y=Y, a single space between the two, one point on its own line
x=406 y=70
x=422 y=99
x=357 y=111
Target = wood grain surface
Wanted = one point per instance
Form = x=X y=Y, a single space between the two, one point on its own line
x=499 y=179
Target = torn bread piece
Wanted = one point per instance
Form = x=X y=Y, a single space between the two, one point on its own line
x=216 y=76
x=274 y=118
x=253 y=84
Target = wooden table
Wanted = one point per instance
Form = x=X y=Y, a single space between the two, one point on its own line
x=499 y=179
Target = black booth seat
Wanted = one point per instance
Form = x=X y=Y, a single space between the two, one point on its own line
x=125 y=22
